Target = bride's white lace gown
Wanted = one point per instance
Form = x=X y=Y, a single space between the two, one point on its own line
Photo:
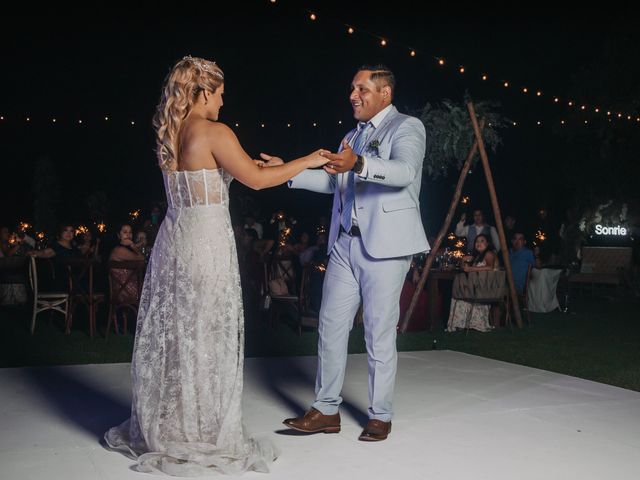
x=187 y=366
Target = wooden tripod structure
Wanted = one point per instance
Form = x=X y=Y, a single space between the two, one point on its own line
x=478 y=144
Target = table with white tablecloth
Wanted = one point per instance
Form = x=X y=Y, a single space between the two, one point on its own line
x=541 y=294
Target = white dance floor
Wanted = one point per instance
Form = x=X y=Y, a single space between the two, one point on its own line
x=457 y=417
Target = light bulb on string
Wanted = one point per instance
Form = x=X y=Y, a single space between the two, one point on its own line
x=461 y=69
x=413 y=53
x=350 y=30
x=383 y=42
x=597 y=110
x=313 y=16
x=237 y=124
x=80 y=122
x=538 y=93
x=484 y=77
x=556 y=100
x=583 y=107
x=570 y=103
x=441 y=61
x=525 y=90
x=506 y=84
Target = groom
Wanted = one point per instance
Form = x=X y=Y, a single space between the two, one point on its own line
x=375 y=230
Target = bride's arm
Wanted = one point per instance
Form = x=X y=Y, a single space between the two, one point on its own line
x=230 y=155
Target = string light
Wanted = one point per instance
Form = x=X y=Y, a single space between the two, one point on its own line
x=133 y=123
x=441 y=61
x=288 y=125
x=28 y=119
x=262 y=125
x=54 y=120
x=597 y=110
x=80 y=121
x=237 y=124
x=315 y=124
x=106 y=119
x=583 y=107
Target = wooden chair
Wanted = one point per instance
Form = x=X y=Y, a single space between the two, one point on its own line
x=14 y=275
x=278 y=291
x=45 y=300
x=81 y=290
x=125 y=287
x=479 y=288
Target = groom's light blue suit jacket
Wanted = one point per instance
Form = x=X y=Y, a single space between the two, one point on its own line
x=387 y=198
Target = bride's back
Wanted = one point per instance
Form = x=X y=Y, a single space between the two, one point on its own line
x=194 y=146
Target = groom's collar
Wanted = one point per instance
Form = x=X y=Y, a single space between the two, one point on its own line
x=380 y=116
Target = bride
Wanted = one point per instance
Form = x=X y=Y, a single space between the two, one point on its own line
x=187 y=364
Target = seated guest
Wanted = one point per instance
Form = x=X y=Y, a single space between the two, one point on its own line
x=464 y=314
x=478 y=227
x=126 y=248
x=521 y=257
x=63 y=248
x=303 y=243
x=87 y=245
x=250 y=222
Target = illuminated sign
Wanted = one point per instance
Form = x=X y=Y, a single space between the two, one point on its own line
x=618 y=230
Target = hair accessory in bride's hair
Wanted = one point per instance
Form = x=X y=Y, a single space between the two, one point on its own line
x=204 y=65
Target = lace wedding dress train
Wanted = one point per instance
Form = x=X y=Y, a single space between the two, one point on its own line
x=187 y=365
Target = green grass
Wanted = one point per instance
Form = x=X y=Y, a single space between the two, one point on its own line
x=599 y=341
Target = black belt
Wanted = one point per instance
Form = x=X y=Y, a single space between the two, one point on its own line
x=353 y=232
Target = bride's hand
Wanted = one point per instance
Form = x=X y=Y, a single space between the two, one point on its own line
x=317 y=158
x=268 y=161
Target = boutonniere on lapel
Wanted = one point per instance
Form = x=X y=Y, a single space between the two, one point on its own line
x=373 y=146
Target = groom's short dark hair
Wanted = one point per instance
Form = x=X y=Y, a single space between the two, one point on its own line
x=381 y=74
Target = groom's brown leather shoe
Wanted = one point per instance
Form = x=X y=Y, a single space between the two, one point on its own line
x=375 y=431
x=314 y=422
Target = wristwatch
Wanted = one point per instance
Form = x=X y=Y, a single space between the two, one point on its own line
x=359 y=165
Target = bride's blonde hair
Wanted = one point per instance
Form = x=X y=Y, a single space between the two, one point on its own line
x=186 y=80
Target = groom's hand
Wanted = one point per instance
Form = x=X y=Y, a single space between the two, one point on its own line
x=340 y=162
x=268 y=161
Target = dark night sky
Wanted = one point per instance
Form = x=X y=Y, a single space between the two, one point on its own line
x=279 y=67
